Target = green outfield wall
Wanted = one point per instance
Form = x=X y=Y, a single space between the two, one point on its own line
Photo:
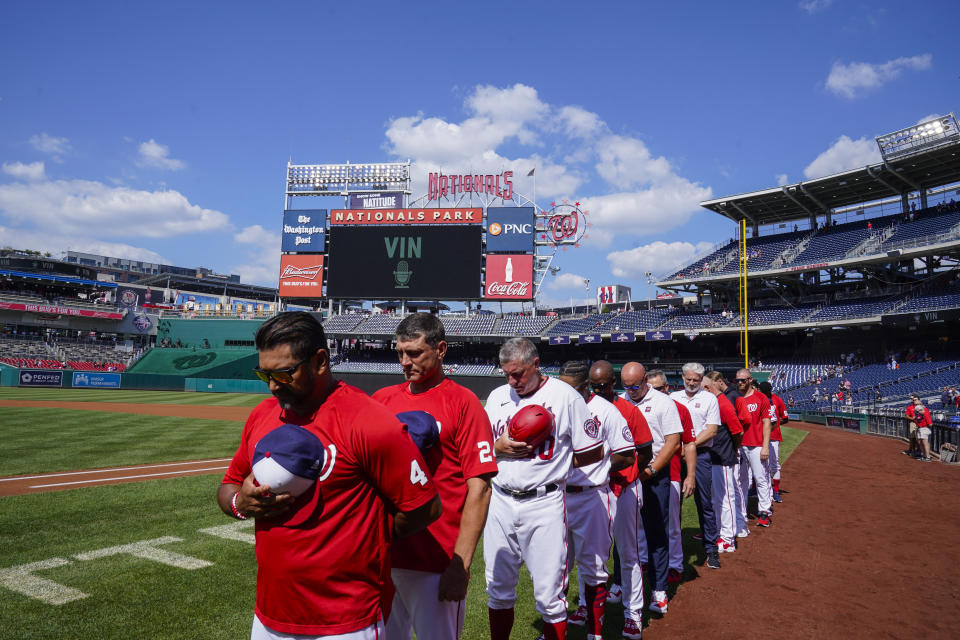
x=215 y=332
x=192 y=363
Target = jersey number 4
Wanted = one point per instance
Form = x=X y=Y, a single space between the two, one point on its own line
x=417 y=476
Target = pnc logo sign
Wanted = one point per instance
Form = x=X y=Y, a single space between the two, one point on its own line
x=497 y=229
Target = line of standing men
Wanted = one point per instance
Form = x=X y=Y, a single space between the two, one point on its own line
x=388 y=531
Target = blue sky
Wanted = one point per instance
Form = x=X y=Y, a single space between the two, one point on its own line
x=161 y=131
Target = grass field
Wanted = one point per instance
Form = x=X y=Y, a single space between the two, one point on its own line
x=132 y=596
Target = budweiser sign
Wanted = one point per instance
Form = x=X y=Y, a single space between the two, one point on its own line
x=301 y=276
x=509 y=277
x=310 y=273
x=508 y=289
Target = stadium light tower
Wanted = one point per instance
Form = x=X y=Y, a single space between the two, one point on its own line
x=927 y=135
x=649 y=282
x=344 y=179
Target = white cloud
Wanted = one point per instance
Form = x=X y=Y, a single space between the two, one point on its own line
x=154 y=154
x=782 y=179
x=646 y=211
x=33 y=171
x=88 y=208
x=55 y=243
x=659 y=258
x=813 y=6
x=52 y=145
x=262 y=249
x=854 y=79
x=928 y=118
x=575 y=147
x=566 y=282
x=577 y=122
x=843 y=155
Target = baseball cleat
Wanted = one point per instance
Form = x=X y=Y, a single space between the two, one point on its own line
x=743 y=534
x=674 y=576
x=658 y=602
x=578 y=617
x=713 y=560
x=615 y=593
x=698 y=536
x=632 y=629
x=763 y=520
x=726 y=547
x=776 y=497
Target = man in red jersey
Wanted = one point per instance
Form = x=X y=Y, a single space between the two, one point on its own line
x=321 y=557
x=753 y=410
x=726 y=451
x=778 y=417
x=432 y=568
x=629 y=538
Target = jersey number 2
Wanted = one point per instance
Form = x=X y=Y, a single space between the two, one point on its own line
x=485 y=455
x=417 y=476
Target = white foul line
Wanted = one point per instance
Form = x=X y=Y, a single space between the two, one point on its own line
x=146 y=475
x=142 y=466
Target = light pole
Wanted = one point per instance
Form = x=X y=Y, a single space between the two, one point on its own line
x=649 y=281
x=586 y=285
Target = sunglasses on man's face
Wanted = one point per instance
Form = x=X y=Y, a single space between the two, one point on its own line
x=660 y=388
x=742 y=380
x=631 y=387
x=283 y=376
x=600 y=386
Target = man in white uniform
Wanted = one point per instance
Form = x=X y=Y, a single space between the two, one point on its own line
x=526 y=523
x=662 y=417
x=591 y=504
x=705 y=414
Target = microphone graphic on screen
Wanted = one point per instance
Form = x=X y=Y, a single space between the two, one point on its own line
x=402 y=275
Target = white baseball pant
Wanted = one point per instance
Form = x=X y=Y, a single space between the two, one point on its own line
x=259 y=631
x=531 y=531
x=750 y=463
x=774 y=462
x=417 y=608
x=632 y=547
x=725 y=501
x=741 y=496
x=674 y=530
x=590 y=516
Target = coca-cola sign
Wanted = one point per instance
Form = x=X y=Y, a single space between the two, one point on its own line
x=509 y=277
x=507 y=289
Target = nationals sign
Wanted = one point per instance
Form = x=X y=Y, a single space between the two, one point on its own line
x=301 y=276
x=406 y=216
x=509 y=277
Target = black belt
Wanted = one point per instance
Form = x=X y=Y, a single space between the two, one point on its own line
x=532 y=493
x=575 y=489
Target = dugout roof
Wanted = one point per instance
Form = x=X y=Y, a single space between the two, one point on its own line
x=799 y=201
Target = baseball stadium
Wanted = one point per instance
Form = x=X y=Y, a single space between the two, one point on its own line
x=125 y=386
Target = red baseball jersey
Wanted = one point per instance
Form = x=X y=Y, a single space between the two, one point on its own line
x=325 y=574
x=922 y=419
x=685 y=438
x=466 y=448
x=728 y=415
x=641 y=438
x=752 y=410
x=778 y=411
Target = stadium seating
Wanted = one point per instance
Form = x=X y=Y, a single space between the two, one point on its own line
x=524 y=325
x=343 y=323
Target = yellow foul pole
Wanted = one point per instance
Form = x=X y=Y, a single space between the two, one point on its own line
x=744 y=335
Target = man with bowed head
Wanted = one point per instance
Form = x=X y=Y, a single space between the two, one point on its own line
x=664 y=421
x=591 y=504
x=321 y=561
x=705 y=414
x=431 y=569
x=631 y=545
x=527 y=520
x=753 y=410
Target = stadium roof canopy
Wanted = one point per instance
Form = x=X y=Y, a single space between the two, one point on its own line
x=927 y=168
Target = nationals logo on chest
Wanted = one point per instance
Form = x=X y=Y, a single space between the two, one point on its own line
x=752 y=407
x=592 y=427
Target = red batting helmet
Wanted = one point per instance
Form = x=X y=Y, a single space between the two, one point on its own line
x=532 y=424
